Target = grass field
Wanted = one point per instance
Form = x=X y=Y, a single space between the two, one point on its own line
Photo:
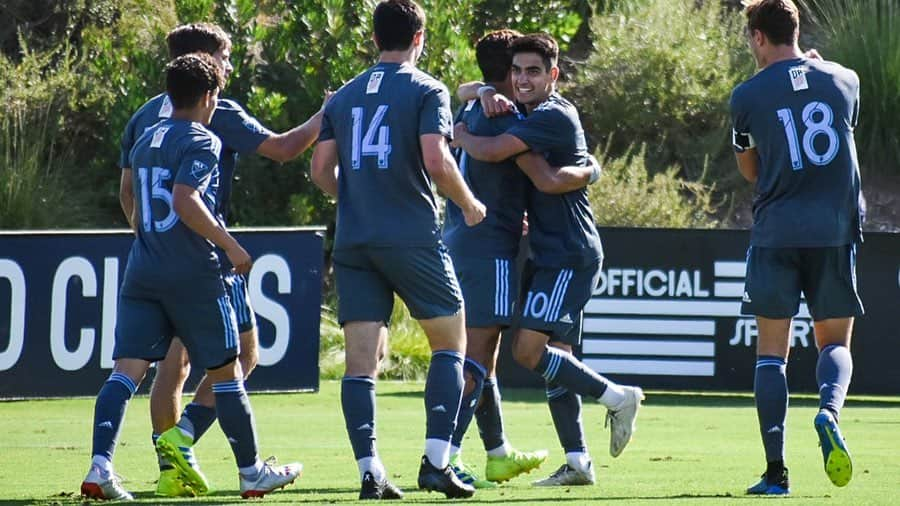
x=688 y=449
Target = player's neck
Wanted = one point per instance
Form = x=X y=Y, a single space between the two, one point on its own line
x=195 y=114
x=405 y=56
x=779 y=54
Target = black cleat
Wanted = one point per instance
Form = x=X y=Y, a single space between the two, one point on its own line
x=372 y=489
x=442 y=480
x=772 y=482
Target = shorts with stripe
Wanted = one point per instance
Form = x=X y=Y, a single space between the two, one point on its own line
x=554 y=298
x=776 y=276
x=204 y=320
x=239 y=295
x=368 y=277
x=489 y=287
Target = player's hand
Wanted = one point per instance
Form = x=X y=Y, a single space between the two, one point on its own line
x=496 y=104
x=459 y=130
x=812 y=54
x=474 y=213
x=240 y=259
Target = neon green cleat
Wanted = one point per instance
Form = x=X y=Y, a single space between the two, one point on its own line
x=838 y=465
x=170 y=485
x=500 y=469
x=467 y=475
x=175 y=447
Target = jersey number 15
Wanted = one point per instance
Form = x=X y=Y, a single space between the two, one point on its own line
x=365 y=145
x=814 y=128
x=152 y=187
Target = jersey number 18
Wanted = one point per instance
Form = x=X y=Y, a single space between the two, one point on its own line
x=814 y=128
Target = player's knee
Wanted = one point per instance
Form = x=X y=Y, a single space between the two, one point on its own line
x=525 y=354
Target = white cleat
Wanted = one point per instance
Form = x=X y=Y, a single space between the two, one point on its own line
x=622 y=421
x=97 y=485
x=568 y=475
x=270 y=478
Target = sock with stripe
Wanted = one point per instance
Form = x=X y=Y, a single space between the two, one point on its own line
x=771 y=392
x=109 y=411
x=489 y=418
x=469 y=400
x=562 y=368
x=833 y=371
x=565 y=408
x=358 y=406
x=443 y=393
x=236 y=420
x=197 y=419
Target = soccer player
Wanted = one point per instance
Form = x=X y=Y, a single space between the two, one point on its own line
x=793 y=136
x=484 y=257
x=173 y=283
x=566 y=264
x=240 y=134
x=387 y=130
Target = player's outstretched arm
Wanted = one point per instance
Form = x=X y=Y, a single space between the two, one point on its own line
x=324 y=167
x=487 y=149
x=492 y=103
x=748 y=164
x=549 y=179
x=286 y=146
x=126 y=197
x=192 y=212
x=441 y=166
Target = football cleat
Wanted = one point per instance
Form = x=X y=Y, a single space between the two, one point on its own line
x=269 y=478
x=838 y=466
x=568 y=475
x=622 y=421
x=772 y=484
x=500 y=469
x=467 y=475
x=175 y=447
x=105 y=488
x=170 y=484
x=373 y=489
x=442 y=480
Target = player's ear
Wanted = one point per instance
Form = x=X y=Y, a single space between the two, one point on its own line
x=419 y=38
x=554 y=73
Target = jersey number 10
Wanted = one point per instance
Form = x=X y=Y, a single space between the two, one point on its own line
x=365 y=145
x=814 y=128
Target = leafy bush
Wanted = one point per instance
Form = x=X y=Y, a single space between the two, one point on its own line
x=660 y=74
x=865 y=36
x=627 y=195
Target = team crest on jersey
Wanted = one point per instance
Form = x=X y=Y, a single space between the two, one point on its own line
x=374 y=83
x=798 y=78
x=199 y=169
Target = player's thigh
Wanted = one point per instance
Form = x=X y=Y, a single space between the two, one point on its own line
x=239 y=295
x=364 y=295
x=489 y=289
x=143 y=330
x=205 y=321
x=772 y=285
x=829 y=281
x=423 y=277
x=554 y=300
x=482 y=344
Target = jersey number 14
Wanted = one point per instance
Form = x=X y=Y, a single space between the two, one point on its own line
x=814 y=128
x=366 y=145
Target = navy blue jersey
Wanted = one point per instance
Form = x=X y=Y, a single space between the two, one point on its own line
x=800 y=115
x=500 y=186
x=166 y=250
x=561 y=227
x=240 y=133
x=384 y=191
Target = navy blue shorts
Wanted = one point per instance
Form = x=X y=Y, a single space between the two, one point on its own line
x=490 y=287
x=367 y=279
x=554 y=299
x=776 y=276
x=239 y=295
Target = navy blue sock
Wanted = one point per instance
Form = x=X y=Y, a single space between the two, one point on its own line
x=358 y=405
x=109 y=411
x=199 y=417
x=443 y=393
x=771 y=392
x=565 y=408
x=236 y=420
x=489 y=417
x=469 y=400
x=557 y=366
x=833 y=372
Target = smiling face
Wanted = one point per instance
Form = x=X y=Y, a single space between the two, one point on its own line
x=532 y=80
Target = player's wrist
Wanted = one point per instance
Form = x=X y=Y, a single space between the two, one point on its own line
x=482 y=90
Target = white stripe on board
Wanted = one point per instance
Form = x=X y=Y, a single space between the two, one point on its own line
x=652 y=367
x=728 y=289
x=692 y=307
x=650 y=347
x=730 y=269
x=649 y=326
